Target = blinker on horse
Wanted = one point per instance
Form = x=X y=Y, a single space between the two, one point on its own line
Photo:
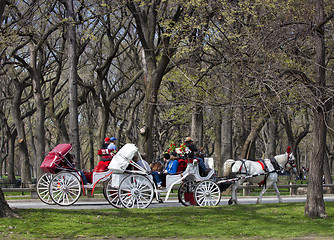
x=254 y=171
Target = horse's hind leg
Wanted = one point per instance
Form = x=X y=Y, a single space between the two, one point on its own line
x=277 y=193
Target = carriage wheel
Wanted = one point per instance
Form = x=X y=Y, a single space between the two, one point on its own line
x=43 y=188
x=65 y=189
x=136 y=191
x=186 y=193
x=111 y=194
x=207 y=193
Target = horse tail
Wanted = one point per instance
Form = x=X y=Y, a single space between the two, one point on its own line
x=228 y=167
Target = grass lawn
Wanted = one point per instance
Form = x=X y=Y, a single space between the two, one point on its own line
x=222 y=222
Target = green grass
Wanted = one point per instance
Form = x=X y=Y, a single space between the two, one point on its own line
x=221 y=222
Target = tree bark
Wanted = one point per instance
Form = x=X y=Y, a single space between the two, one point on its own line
x=5 y=210
x=22 y=142
x=73 y=78
x=37 y=80
x=197 y=125
x=218 y=143
x=250 y=141
x=315 y=205
x=271 y=135
x=11 y=136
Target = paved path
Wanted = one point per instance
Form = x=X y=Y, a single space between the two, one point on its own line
x=94 y=203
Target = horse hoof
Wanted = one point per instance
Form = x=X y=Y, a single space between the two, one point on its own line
x=230 y=202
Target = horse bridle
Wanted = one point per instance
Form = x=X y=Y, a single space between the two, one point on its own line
x=291 y=162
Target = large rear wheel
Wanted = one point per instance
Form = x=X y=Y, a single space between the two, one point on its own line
x=65 y=189
x=136 y=191
x=207 y=193
x=43 y=188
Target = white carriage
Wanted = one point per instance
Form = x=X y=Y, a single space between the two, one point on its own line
x=136 y=188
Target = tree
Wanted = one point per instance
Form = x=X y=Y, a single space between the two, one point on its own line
x=315 y=205
x=157 y=52
x=72 y=77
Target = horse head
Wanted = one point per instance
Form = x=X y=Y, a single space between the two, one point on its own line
x=291 y=163
x=287 y=160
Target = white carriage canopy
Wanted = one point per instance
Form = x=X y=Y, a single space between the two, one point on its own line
x=122 y=158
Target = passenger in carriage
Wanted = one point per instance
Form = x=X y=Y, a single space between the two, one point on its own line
x=171 y=168
x=193 y=150
x=141 y=162
x=106 y=143
x=112 y=145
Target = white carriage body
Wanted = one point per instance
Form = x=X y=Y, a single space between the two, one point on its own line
x=191 y=172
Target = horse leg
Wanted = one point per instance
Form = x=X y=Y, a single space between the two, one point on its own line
x=277 y=193
x=265 y=188
x=259 y=200
x=233 y=194
x=233 y=198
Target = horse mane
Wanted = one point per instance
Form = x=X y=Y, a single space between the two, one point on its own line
x=228 y=167
x=281 y=159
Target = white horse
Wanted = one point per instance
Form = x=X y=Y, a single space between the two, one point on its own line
x=258 y=171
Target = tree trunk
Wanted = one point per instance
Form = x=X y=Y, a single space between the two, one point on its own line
x=19 y=124
x=72 y=76
x=315 y=205
x=156 y=60
x=250 y=141
x=226 y=135
x=271 y=135
x=218 y=142
x=11 y=136
x=197 y=125
x=5 y=210
x=327 y=174
x=10 y=159
x=40 y=114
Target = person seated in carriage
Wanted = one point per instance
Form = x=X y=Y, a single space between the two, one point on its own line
x=171 y=168
x=106 y=143
x=141 y=162
x=195 y=154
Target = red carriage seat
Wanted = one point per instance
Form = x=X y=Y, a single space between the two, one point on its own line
x=53 y=162
x=101 y=166
x=182 y=165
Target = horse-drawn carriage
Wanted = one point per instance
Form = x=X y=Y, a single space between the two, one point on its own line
x=125 y=187
x=134 y=187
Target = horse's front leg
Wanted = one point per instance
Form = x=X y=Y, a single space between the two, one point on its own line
x=277 y=193
x=265 y=188
x=233 y=198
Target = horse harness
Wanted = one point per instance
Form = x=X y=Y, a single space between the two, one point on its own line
x=264 y=166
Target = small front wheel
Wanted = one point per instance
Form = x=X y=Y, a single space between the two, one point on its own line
x=111 y=193
x=65 y=189
x=43 y=188
x=207 y=193
x=136 y=191
x=186 y=193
